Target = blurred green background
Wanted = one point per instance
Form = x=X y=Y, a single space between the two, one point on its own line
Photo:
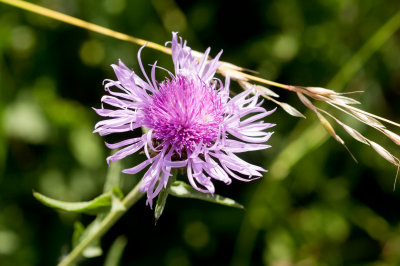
x=320 y=208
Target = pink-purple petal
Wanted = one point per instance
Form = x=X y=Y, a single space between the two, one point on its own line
x=136 y=169
x=191 y=118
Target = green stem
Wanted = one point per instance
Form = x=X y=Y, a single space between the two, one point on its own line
x=111 y=218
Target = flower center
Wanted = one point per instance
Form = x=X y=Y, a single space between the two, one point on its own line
x=184 y=112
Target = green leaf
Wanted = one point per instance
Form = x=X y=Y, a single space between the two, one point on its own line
x=113 y=176
x=162 y=197
x=117 y=204
x=99 y=204
x=161 y=200
x=182 y=190
x=79 y=229
x=115 y=252
x=80 y=232
x=116 y=191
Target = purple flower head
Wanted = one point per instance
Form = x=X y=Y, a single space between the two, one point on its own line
x=192 y=122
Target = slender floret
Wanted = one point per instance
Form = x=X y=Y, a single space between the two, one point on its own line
x=191 y=120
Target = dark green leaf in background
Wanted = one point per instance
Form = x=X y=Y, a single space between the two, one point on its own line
x=182 y=190
x=97 y=205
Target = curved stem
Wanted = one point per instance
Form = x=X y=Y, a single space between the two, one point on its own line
x=125 y=37
x=84 y=24
x=111 y=218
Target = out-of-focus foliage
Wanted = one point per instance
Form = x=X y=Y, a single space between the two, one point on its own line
x=326 y=210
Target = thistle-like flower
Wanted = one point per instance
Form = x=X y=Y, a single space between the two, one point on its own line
x=191 y=120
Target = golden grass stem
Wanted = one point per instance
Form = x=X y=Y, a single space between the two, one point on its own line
x=125 y=37
x=84 y=24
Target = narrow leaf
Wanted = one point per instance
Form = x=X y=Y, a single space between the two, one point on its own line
x=162 y=197
x=113 y=176
x=161 y=201
x=77 y=234
x=182 y=190
x=115 y=252
x=99 y=204
x=116 y=191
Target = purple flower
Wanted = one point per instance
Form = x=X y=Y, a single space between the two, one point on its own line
x=192 y=122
